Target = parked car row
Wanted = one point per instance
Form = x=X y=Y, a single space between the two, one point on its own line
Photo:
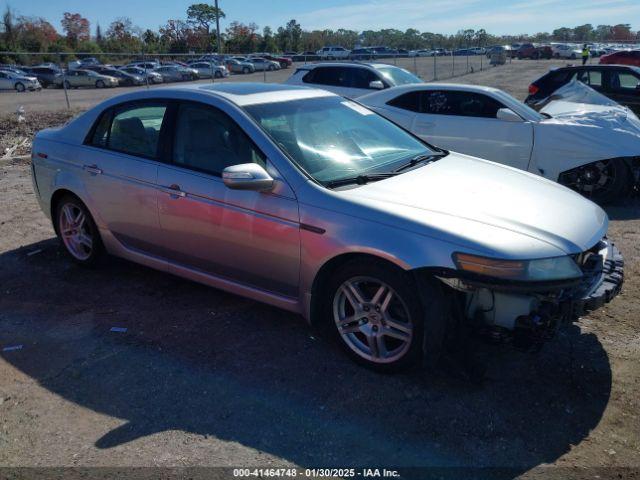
x=317 y=204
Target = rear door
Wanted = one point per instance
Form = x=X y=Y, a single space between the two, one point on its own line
x=247 y=237
x=120 y=168
x=466 y=122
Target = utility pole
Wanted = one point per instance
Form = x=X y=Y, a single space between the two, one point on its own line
x=218 y=28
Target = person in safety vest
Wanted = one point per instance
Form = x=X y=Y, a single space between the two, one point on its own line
x=585 y=54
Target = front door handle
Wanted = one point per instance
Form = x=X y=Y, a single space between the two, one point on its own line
x=92 y=169
x=174 y=191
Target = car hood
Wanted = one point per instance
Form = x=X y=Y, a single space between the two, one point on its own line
x=485 y=206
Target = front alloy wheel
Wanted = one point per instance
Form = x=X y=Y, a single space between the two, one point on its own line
x=372 y=319
x=383 y=317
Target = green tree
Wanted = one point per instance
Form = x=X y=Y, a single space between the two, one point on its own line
x=202 y=17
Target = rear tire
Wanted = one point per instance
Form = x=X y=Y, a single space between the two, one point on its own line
x=372 y=309
x=77 y=231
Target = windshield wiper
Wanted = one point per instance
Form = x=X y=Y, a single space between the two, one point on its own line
x=359 y=180
x=418 y=159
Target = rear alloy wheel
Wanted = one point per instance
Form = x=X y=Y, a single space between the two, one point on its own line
x=603 y=181
x=77 y=231
x=19 y=87
x=99 y=84
x=377 y=317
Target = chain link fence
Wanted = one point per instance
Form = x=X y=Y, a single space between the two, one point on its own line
x=62 y=89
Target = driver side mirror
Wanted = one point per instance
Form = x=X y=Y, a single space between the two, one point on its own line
x=376 y=85
x=508 y=115
x=247 y=176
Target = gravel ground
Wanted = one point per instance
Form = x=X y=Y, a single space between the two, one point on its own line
x=204 y=378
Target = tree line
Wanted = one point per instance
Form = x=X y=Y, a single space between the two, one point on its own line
x=196 y=34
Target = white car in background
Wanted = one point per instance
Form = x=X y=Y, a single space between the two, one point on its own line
x=14 y=81
x=351 y=79
x=566 y=51
x=333 y=53
x=593 y=152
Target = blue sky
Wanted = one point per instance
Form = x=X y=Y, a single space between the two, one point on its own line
x=440 y=16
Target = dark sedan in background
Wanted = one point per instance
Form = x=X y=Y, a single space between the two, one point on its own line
x=620 y=83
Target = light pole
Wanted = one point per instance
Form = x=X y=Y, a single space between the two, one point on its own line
x=218 y=28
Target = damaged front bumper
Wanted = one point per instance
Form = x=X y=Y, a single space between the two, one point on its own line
x=527 y=316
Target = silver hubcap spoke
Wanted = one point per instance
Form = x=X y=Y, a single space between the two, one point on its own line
x=372 y=319
x=75 y=234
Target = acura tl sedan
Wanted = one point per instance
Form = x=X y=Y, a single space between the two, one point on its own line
x=315 y=204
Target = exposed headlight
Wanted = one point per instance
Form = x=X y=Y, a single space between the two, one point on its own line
x=543 y=269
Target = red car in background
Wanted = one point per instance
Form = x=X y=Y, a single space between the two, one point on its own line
x=284 y=62
x=626 y=57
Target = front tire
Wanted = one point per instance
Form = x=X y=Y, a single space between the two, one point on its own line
x=19 y=87
x=77 y=231
x=373 y=310
x=603 y=182
x=217 y=74
x=100 y=84
x=245 y=70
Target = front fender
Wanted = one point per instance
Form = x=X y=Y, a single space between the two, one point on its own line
x=571 y=141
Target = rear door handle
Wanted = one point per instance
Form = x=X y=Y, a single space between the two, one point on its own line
x=92 y=169
x=174 y=191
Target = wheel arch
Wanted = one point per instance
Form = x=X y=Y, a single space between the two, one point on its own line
x=328 y=268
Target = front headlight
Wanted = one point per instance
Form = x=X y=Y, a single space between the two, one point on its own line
x=539 y=270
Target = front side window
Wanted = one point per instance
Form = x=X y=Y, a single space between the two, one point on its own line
x=624 y=81
x=362 y=77
x=465 y=104
x=331 y=138
x=136 y=130
x=207 y=140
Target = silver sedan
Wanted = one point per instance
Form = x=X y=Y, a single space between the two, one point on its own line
x=310 y=202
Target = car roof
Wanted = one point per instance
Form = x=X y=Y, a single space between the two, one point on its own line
x=311 y=66
x=239 y=93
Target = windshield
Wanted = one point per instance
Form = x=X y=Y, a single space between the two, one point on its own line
x=398 y=76
x=331 y=138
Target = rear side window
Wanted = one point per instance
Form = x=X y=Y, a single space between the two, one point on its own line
x=409 y=101
x=136 y=130
x=133 y=129
x=465 y=104
x=101 y=131
x=208 y=140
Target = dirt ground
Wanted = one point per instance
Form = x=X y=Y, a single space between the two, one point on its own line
x=205 y=378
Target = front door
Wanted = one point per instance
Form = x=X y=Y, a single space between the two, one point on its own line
x=248 y=237
x=623 y=86
x=466 y=122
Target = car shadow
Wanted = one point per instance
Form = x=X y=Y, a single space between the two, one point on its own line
x=198 y=360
